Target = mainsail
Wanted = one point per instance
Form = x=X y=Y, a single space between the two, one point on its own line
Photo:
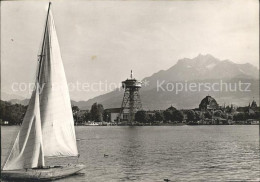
x=48 y=126
x=56 y=115
x=27 y=151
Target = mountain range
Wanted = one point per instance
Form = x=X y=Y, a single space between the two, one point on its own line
x=157 y=91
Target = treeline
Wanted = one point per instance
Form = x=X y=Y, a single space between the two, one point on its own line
x=13 y=113
x=169 y=115
x=246 y=116
x=96 y=114
x=172 y=115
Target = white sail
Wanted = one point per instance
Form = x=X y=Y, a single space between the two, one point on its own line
x=27 y=151
x=56 y=115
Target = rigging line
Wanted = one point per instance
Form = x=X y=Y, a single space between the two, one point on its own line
x=43 y=44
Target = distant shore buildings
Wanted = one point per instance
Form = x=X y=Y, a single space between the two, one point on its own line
x=114 y=113
x=209 y=112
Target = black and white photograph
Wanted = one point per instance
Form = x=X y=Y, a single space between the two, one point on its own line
x=130 y=90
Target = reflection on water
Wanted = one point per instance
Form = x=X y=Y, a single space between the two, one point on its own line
x=178 y=153
x=132 y=154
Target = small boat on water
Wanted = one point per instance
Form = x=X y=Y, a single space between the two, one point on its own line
x=92 y=124
x=48 y=127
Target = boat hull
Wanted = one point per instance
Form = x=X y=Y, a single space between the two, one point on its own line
x=43 y=174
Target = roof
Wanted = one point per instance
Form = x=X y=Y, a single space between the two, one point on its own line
x=254 y=105
x=208 y=103
x=113 y=110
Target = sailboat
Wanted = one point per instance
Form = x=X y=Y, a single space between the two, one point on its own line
x=48 y=127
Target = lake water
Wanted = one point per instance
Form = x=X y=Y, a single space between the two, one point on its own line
x=154 y=153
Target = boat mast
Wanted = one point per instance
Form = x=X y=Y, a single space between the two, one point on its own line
x=41 y=55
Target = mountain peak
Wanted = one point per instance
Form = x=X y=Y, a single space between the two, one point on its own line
x=201 y=61
x=205 y=67
x=205 y=56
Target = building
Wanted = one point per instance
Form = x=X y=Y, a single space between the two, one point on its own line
x=252 y=108
x=208 y=103
x=131 y=100
x=253 y=105
x=228 y=109
x=113 y=114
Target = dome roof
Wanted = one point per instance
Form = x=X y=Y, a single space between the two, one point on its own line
x=208 y=103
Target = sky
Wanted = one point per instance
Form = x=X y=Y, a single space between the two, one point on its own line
x=101 y=41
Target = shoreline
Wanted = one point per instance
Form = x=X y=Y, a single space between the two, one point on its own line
x=159 y=125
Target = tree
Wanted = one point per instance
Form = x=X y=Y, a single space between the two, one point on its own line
x=97 y=112
x=167 y=115
x=247 y=116
x=13 y=113
x=239 y=117
x=158 y=116
x=151 y=118
x=191 y=116
x=198 y=116
x=86 y=116
x=107 y=116
x=224 y=115
x=75 y=109
x=217 y=113
x=201 y=116
x=172 y=114
x=257 y=115
x=141 y=116
x=208 y=115
x=230 y=117
x=177 y=116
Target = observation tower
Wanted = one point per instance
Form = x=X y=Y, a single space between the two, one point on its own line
x=131 y=101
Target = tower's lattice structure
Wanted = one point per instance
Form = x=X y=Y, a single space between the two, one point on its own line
x=131 y=101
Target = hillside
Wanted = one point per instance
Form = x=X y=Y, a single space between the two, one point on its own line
x=203 y=69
